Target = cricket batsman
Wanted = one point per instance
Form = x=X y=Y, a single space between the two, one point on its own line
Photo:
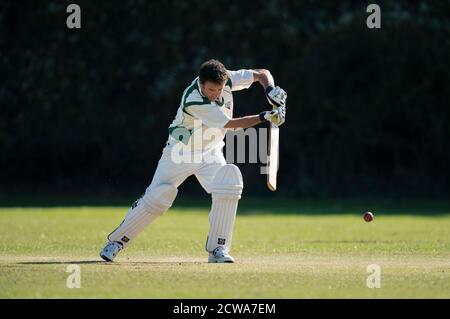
x=194 y=147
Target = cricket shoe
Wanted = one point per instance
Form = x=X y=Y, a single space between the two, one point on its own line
x=219 y=255
x=110 y=251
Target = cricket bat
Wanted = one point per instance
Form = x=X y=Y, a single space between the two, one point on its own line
x=272 y=157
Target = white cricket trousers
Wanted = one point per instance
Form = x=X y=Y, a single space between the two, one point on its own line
x=172 y=170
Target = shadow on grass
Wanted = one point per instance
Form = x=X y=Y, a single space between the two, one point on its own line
x=354 y=241
x=257 y=206
x=118 y=263
x=346 y=206
x=62 y=262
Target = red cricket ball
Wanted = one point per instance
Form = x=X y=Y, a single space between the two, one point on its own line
x=368 y=216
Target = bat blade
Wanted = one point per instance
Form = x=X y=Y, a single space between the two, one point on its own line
x=272 y=158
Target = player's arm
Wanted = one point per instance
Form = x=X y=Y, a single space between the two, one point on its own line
x=264 y=77
x=276 y=116
x=244 y=78
x=275 y=95
x=244 y=122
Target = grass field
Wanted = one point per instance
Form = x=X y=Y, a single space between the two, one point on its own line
x=305 y=250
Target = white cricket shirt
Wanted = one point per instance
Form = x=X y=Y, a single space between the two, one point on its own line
x=199 y=123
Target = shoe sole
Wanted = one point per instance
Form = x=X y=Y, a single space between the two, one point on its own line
x=215 y=261
x=106 y=258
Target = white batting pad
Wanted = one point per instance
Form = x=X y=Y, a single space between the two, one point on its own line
x=226 y=191
x=143 y=212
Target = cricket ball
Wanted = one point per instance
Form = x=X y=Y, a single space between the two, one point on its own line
x=368 y=216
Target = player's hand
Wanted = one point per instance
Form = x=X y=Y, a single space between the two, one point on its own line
x=276 y=96
x=277 y=116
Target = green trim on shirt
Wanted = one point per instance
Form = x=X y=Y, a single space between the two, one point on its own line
x=229 y=83
x=189 y=91
x=184 y=136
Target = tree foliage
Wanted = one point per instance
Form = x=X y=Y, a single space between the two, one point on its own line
x=88 y=109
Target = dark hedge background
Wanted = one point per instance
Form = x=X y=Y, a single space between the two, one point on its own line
x=86 y=111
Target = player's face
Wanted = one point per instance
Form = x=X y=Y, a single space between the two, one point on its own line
x=212 y=90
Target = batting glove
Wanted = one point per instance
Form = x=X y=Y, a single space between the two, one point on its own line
x=277 y=116
x=276 y=96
